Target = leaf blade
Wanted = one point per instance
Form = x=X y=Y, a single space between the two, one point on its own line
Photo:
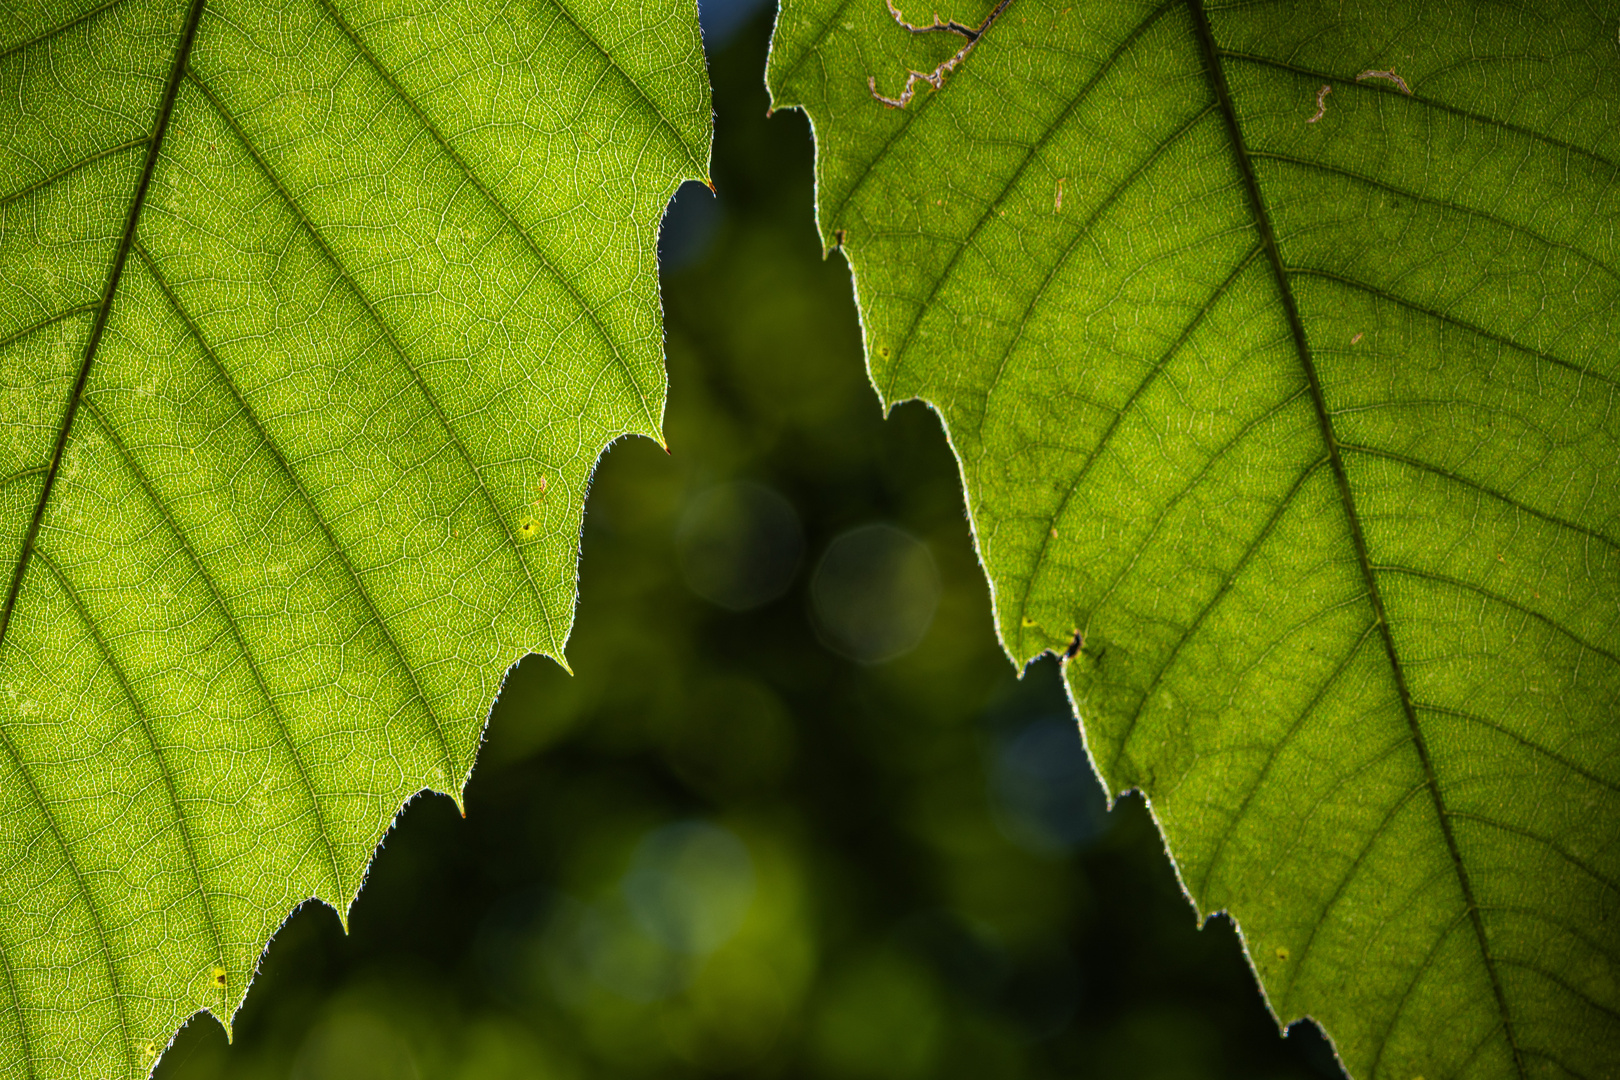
x=1096 y=286
x=375 y=310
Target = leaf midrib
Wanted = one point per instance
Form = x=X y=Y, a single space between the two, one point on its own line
x=188 y=37
x=171 y=90
x=1217 y=77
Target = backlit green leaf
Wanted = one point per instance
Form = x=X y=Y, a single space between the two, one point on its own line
x=1277 y=344
x=314 y=318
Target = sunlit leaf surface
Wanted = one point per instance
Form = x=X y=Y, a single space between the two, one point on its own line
x=1276 y=342
x=313 y=320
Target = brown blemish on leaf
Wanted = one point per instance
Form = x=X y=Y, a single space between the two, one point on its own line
x=1356 y=340
x=1390 y=76
x=1282 y=953
x=935 y=78
x=529 y=524
x=1076 y=643
x=1321 y=103
x=218 y=978
x=1057 y=200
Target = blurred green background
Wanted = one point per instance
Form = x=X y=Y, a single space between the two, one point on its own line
x=794 y=816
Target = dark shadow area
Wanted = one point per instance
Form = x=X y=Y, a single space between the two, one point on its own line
x=768 y=829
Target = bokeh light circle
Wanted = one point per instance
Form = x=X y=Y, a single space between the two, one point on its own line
x=689 y=886
x=738 y=545
x=874 y=593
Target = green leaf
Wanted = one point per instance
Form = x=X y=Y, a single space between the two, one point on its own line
x=1301 y=433
x=314 y=319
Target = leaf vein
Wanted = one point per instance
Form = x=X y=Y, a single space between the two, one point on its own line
x=144 y=723
x=1452 y=320
x=394 y=344
x=158 y=503
x=41 y=184
x=1113 y=425
x=103 y=310
x=1484 y=215
x=1085 y=231
x=1031 y=153
x=81 y=309
x=1569 y=928
x=815 y=45
x=1343 y=884
x=1528 y=744
x=58 y=29
x=1480 y=590
x=1411 y=984
x=1553 y=977
x=495 y=203
x=1217 y=77
x=15 y=998
x=1379 y=88
x=1186 y=490
x=1273 y=754
x=1457 y=478
x=1545 y=841
x=83 y=887
x=1227 y=581
x=1531 y=1051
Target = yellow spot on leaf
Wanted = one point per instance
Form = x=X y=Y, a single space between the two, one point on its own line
x=218 y=977
x=1282 y=953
